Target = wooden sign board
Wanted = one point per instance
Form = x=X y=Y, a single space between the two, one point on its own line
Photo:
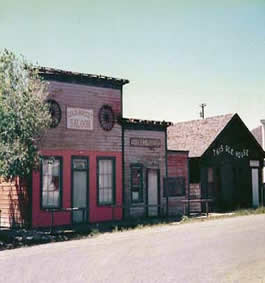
x=79 y=119
x=145 y=142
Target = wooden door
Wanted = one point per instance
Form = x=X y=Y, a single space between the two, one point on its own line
x=153 y=198
x=80 y=190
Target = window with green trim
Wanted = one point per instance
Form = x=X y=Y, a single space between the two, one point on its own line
x=106 y=180
x=51 y=182
x=136 y=183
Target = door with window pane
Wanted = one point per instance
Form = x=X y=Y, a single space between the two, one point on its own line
x=80 y=190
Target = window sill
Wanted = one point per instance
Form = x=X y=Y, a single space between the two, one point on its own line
x=51 y=208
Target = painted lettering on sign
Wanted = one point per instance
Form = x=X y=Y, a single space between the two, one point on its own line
x=226 y=148
x=79 y=119
x=145 y=142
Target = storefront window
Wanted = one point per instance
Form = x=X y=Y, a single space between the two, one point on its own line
x=106 y=181
x=136 y=183
x=51 y=182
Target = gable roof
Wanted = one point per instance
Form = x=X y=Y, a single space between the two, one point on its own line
x=196 y=135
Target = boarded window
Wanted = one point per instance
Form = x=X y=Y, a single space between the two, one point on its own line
x=174 y=186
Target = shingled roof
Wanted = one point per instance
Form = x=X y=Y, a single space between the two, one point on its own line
x=197 y=135
x=257 y=133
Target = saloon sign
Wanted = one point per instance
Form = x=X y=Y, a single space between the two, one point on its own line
x=79 y=118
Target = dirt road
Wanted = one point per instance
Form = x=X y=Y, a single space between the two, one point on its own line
x=224 y=250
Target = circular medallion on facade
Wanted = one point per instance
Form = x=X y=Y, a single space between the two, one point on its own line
x=106 y=117
x=55 y=111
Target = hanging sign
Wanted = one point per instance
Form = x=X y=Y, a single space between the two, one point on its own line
x=230 y=150
x=79 y=118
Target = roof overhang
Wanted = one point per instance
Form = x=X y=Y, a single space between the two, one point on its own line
x=81 y=78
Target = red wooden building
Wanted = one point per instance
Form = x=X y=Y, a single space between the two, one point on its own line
x=82 y=155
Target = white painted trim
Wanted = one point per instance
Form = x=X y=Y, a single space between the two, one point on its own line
x=255 y=186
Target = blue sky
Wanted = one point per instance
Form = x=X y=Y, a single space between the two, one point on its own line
x=176 y=54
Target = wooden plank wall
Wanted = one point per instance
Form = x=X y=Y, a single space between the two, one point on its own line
x=149 y=157
x=14 y=204
x=85 y=97
x=177 y=163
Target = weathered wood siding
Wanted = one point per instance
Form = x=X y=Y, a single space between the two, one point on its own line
x=87 y=97
x=14 y=204
x=149 y=157
x=177 y=162
x=66 y=143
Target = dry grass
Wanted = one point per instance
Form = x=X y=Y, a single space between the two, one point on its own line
x=235 y=213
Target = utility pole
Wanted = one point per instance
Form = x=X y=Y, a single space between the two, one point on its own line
x=203 y=105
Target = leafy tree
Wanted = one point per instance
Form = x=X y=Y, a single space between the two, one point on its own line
x=24 y=115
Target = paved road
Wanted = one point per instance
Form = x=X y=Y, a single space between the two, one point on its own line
x=224 y=250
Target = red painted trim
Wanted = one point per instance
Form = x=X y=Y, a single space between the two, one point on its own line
x=42 y=218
